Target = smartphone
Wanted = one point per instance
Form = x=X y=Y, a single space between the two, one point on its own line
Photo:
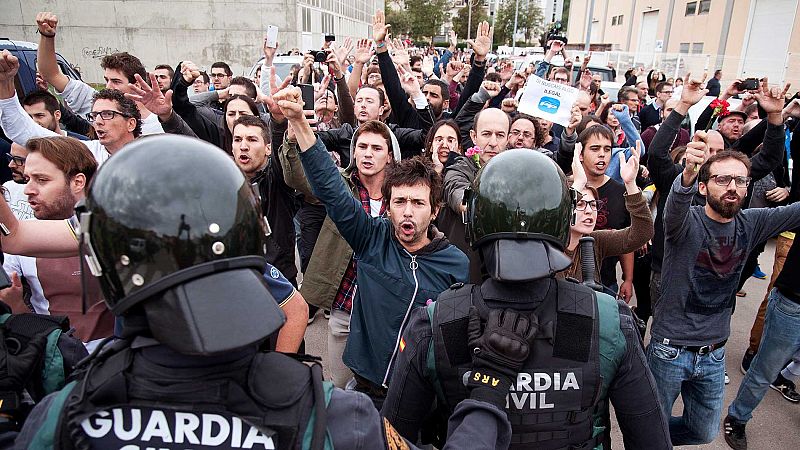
x=749 y=84
x=330 y=38
x=272 y=36
x=307 y=92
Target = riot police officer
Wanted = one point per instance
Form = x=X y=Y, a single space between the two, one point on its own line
x=175 y=235
x=586 y=351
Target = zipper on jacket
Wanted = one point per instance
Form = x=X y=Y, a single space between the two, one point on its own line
x=413 y=265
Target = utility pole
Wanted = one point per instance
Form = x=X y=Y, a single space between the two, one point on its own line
x=514 y=35
x=589 y=26
x=469 y=19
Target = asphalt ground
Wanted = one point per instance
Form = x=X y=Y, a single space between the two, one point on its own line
x=776 y=422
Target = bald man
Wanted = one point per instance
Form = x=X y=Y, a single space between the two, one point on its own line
x=490 y=134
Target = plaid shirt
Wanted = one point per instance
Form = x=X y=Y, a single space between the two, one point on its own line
x=349 y=285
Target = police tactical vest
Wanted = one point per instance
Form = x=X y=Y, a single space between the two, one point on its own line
x=260 y=406
x=552 y=403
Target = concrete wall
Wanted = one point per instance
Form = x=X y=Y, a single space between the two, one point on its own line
x=157 y=31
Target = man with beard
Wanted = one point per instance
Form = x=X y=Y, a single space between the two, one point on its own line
x=705 y=249
x=59 y=170
x=44 y=109
x=403 y=261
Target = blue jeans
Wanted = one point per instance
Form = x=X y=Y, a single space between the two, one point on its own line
x=699 y=379
x=780 y=340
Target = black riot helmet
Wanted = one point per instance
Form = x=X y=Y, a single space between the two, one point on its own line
x=174 y=232
x=518 y=215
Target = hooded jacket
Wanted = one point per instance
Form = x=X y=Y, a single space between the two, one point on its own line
x=332 y=253
x=391 y=281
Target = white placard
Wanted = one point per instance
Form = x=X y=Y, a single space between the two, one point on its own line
x=548 y=100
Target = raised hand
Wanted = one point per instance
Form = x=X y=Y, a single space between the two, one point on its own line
x=578 y=174
x=693 y=90
x=453 y=68
x=732 y=89
x=343 y=50
x=427 y=66
x=189 y=71
x=770 y=99
x=9 y=66
x=363 y=51
x=334 y=65
x=586 y=80
x=409 y=82
x=482 y=44
x=492 y=87
x=269 y=52
x=574 y=119
x=696 y=155
x=516 y=81
x=47 y=23
x=628 y=170
x=290 y=102
x=323 y=86
x=379 y=27
x=151 y=97
x=400 y=56
x=453 y=40
x=792 y=109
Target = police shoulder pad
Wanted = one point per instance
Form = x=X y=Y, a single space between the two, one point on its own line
x=455 y=286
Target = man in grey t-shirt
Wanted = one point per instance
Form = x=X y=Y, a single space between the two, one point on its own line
x=704 y=252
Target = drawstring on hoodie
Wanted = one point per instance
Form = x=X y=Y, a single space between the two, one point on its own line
x=413 y=266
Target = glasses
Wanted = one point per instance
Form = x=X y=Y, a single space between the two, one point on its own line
x=107 y=114
x=583 y=204
x=725 y=180
x=667 y=92
x=218 y=75
x=18 y=160
x=561 y=80
x=526 y=135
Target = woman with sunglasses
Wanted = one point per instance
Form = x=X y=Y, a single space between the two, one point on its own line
x=607 y=242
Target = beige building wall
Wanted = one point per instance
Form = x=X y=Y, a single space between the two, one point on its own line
x=718 y=50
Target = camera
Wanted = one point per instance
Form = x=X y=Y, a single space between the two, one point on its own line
x=320 y=56
x=554 y=34
x=749 y=84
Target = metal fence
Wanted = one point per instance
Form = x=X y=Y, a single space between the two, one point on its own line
x=678 y=65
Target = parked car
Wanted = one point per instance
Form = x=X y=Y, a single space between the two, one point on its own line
x=283 y=65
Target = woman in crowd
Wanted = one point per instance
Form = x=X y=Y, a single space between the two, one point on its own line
x=607 y=242
x=445 y=141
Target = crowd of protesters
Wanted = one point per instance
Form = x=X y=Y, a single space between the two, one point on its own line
x=684 y=215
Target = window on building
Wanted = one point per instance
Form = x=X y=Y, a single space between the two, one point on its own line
x=691 y=9
x=705 y=7
x=619 y=20
x=613 y=20
x=684 y=47
x=697 y=47
x=306 y=19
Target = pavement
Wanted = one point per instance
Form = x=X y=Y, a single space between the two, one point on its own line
x=776 y=422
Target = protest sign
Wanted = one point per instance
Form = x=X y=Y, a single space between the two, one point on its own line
x=547 y=100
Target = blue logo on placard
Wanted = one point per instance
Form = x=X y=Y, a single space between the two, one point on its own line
x=549 y=104
x=274 y=273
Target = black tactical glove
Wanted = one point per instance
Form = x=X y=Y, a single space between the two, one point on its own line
x=17 y=367
x=498 y=352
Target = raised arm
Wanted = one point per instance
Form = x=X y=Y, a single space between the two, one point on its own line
x=354 y=224
x=46 y=62
x=773 y=151
x=363 y=54
x=679 y=200
x=16 y=123
x=659 y=163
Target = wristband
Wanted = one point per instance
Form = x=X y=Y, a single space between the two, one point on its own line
x=51 y=36
x=381 y=45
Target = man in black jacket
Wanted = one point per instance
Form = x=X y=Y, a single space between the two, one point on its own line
x=650 y=115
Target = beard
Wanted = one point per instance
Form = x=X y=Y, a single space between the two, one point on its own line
x=723 y=208
x=62 y=207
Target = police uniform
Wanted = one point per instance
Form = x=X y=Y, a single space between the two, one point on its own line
x=586 y=352
x=189 y=369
